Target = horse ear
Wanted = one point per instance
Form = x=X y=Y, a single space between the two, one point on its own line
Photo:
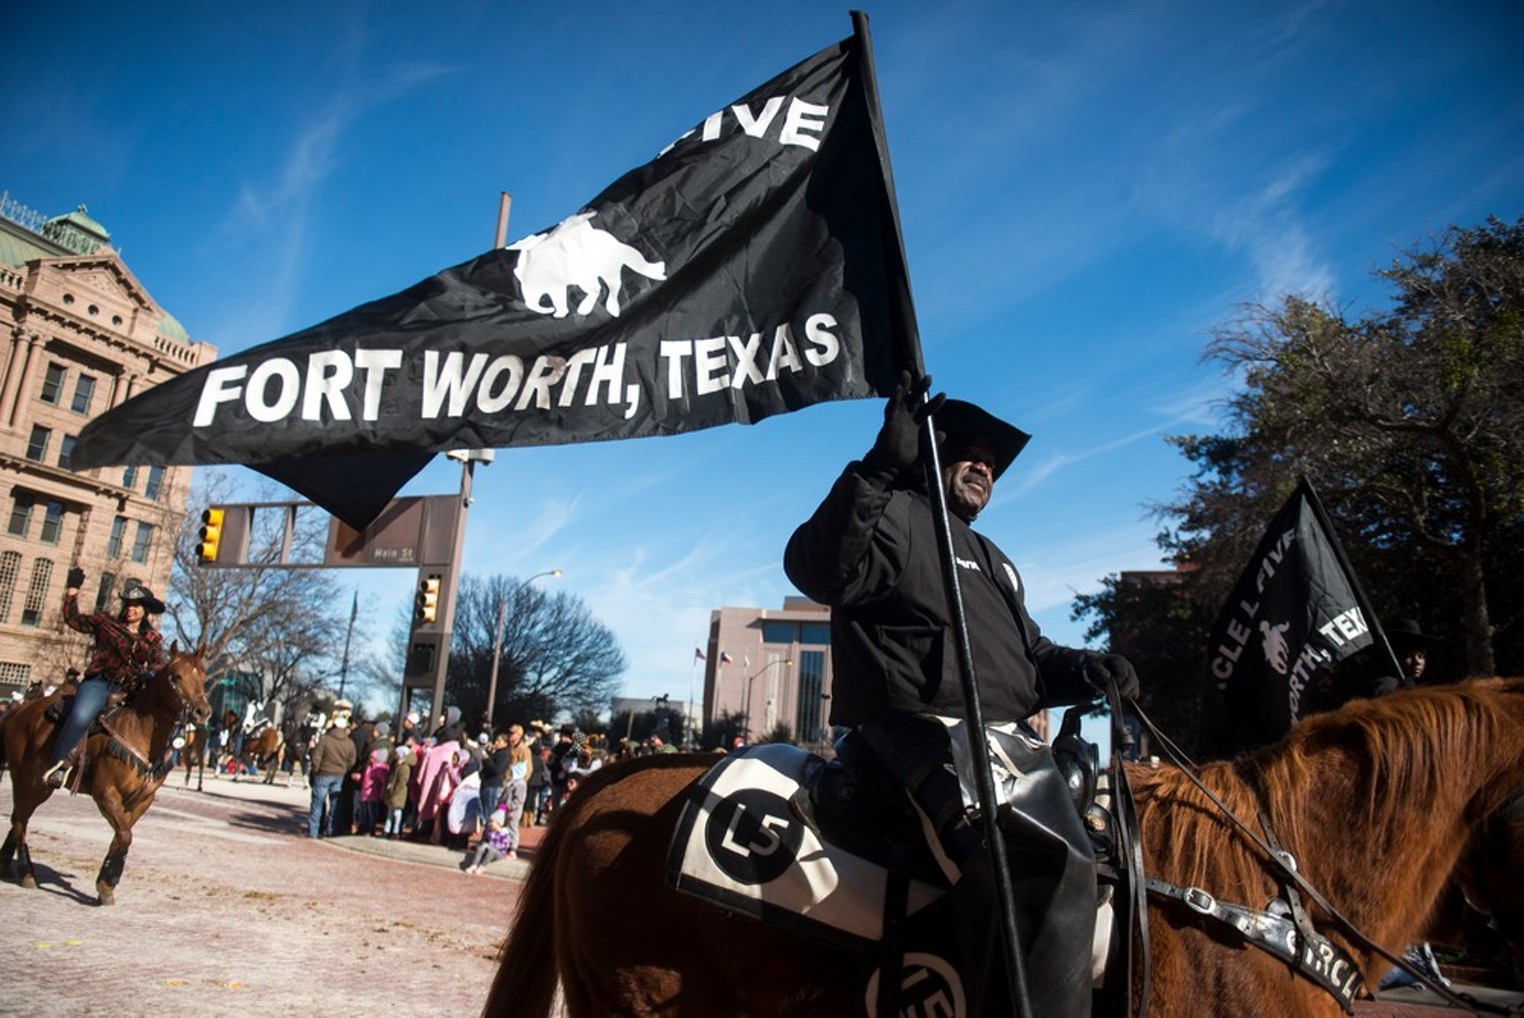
x=174 y=647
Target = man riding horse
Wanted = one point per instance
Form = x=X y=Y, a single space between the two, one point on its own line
x=870 y=551
x=127 y=648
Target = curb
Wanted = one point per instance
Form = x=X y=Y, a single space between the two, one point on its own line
x=298 y=797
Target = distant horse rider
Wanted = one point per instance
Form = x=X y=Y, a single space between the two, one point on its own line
x=127 y=649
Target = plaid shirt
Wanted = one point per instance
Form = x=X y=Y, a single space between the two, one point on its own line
x=122 y=653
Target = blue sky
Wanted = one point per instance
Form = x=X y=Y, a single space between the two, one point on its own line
x=1086 y=190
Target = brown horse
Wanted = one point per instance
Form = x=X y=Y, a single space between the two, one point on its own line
x=193 y=753
x=1377 y=803
x=265 y=751
x=125 y=764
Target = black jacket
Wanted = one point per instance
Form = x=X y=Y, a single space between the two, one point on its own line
x=494 y=767
x=870 y=552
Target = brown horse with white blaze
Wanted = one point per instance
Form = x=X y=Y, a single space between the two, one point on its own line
x=127 y=760
x=1377 y=803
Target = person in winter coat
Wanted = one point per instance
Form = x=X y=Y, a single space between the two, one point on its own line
x=495 y=845
x=397 y=783
x=872 y=552
x=494 y=773
x=332 y=758
x=373 y=781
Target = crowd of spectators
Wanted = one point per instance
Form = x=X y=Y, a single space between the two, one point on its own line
x=472 y=794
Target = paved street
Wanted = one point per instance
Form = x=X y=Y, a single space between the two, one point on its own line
x=226 y=906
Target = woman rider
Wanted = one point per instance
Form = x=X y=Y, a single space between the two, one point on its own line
x=127 y=649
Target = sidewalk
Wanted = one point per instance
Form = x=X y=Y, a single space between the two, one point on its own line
x=298 y=797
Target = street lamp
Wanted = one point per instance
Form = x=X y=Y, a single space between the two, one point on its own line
x=749 y=679
x=497 y=643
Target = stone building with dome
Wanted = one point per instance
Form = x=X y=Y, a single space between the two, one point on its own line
x=81 y=335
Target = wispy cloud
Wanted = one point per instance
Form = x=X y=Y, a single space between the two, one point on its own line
x=1191 y=407
x=1267 y=226
x=1077 y=566
x=273 y=208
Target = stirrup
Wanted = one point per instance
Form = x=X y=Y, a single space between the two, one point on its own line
x=56 y=775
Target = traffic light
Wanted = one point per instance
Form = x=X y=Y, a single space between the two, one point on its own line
x=211 y=533
x=428 y=598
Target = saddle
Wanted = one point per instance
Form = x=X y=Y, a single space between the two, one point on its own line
x=854 y=802
x=59 y=708
x=835 y=850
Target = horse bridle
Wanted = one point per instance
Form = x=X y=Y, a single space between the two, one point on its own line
x=127 y=751
x=1283 y=866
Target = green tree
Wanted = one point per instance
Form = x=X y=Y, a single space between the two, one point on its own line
x=781 y=732
x=1153 y=620
x=1407 y=421
x=721 y=732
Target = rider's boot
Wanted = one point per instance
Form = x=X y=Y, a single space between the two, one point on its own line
x=56 y=775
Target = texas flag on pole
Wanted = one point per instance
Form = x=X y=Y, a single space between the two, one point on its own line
x=753 y=268
x=725 y=658
x=698 y=655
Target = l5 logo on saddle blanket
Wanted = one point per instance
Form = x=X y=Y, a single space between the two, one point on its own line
x=740 y=844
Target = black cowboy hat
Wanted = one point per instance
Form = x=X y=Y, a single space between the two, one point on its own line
x=137 y=593
x=958 y=421
x=1408 y=633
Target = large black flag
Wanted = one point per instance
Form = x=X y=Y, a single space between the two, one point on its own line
x=750 y=269
x=1296 y=610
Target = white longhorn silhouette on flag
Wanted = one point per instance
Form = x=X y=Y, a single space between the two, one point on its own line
x=574 y=253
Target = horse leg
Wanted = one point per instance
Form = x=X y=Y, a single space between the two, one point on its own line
x=121 y=820
x=28 y=797
x=15 y=847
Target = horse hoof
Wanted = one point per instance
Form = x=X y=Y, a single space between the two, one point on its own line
x=106 y=895
x=29 y=881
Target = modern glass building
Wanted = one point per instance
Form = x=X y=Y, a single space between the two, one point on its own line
x=772 y=666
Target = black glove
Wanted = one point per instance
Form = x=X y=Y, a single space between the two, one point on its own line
x=1103 y=667
x=76 y=578
x=898 y=444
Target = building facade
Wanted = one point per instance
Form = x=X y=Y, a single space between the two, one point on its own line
x=81 y=335
x=772 y=667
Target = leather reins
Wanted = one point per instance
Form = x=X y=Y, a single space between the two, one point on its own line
x=1283 y=867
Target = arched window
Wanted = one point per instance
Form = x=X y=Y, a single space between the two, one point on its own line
x=37 y=592
x=10 y=569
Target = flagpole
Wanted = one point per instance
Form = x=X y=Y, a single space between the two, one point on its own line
x=354 y=613
x=1377 y=632
x=910 y=357
x=688 y=721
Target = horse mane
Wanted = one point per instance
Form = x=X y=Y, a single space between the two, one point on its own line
x=1334 y=772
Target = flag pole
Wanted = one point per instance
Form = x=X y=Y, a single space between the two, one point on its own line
x=1377 y=633
x=910 y=357
x=688 y=720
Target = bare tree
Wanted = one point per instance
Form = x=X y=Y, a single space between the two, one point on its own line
x=282 y=625
x=555 y=656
